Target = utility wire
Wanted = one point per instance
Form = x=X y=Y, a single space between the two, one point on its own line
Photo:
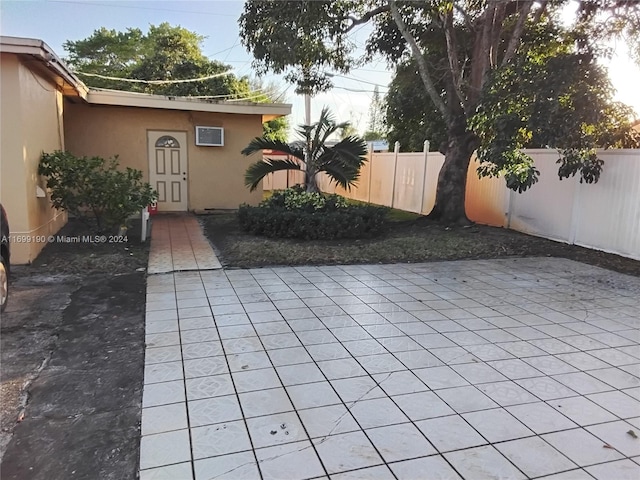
x=157 y=82
x=155 y=8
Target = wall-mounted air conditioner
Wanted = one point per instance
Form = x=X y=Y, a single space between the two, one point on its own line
x=209 y=136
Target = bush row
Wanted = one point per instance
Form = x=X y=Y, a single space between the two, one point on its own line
x=294 y=213
x=350 y=222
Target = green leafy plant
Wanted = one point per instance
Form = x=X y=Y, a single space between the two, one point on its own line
x=295 y=213
x=95 y=188
x=342 y=161
x=296 y=198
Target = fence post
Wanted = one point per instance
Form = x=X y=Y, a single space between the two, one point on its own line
x=575 y=212
x=396 y=151
x=370 y=173
x=425 y=149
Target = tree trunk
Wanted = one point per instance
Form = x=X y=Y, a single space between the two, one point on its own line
x=311 y=182
x=452 y=181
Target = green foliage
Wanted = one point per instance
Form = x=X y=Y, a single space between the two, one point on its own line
x=92 y=187
x=295 y=213
x=299 y=38
x=165 y=52
x=411 y=115
x=296 y=198
x=342 y=161
x=376 y=128
x=549 y=98
x=466 y=53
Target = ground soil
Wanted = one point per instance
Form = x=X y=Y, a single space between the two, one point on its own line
x=72 y=341
x=415 y=240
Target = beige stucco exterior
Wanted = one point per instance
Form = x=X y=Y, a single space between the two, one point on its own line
x=31 y=122
x=215 y=174
x=44 y=107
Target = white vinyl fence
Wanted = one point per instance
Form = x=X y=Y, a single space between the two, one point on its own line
x=604 y=216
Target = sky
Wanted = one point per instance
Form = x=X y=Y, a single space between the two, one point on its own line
x=56 y=21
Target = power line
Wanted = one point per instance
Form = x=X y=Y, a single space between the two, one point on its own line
x=358 y=80
x=155 y=9
x=156 y=82
x=354 y=89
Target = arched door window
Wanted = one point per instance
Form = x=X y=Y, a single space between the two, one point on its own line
x=167 y=142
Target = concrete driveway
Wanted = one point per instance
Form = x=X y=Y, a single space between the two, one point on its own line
x=507 y=369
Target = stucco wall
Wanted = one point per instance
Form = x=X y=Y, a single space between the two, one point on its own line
x=215 y=174
x=31 y=123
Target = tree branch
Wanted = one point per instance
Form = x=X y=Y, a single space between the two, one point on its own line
x=481 y=53
x=496 y=30
x=366 y=17
x=540 y=11
x=467 y=18
x=452 y=55
x=423 y=68
x=517 y=32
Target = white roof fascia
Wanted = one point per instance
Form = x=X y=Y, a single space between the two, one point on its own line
x=42 y=52
x=143 y=100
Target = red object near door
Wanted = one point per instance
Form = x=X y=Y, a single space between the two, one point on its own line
x=153 y=208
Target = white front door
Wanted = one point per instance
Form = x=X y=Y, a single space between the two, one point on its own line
x=168 y=169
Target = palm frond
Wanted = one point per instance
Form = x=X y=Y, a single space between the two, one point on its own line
x=349 y=153
x=257 y=171
x=260 y=143
x=338 y=174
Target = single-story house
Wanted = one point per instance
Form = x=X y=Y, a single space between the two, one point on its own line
x=188 y=149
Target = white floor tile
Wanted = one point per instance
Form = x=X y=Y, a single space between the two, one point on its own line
x=400 y=442
x=347 y=451
x=450 y=433
x=414 y=469
x=329 y=420
x=483 y=462
x=581 y=447
x=292 y=461
x=164 y=449
x=535 y=457
x=228 y=467
x=497 y=425
x=275 y=429
x=540 y=417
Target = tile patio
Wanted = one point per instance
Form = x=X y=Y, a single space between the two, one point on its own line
x=178 y=244
x=518 y=368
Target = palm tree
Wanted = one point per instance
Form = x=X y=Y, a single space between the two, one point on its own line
x=342 y=161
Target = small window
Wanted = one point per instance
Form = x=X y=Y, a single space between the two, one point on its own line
x=167 y=142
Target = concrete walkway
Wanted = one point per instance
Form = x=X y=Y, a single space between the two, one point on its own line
x=509 y=369
x=178 y=244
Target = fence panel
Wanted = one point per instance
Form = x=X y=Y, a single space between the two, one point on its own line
x=409 y=182
x=605 y=215
x=382 y=173
x=434 y=162
x=487 y=199
x=546 y=209
x=608 y=212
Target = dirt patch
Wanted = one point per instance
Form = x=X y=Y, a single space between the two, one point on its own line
x=72 y=342
x=404 y=241
x=78 y=250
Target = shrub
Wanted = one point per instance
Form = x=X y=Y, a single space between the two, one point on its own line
x=297 y=198
x=92 y=187
x=294 y=213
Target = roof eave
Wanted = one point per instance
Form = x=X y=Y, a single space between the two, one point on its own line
x=39 y=50
x=268 y=111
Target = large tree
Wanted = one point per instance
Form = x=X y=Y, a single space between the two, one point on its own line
x=460 y=49
x=515 y=111
x=165 y=52
x=376 y=127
